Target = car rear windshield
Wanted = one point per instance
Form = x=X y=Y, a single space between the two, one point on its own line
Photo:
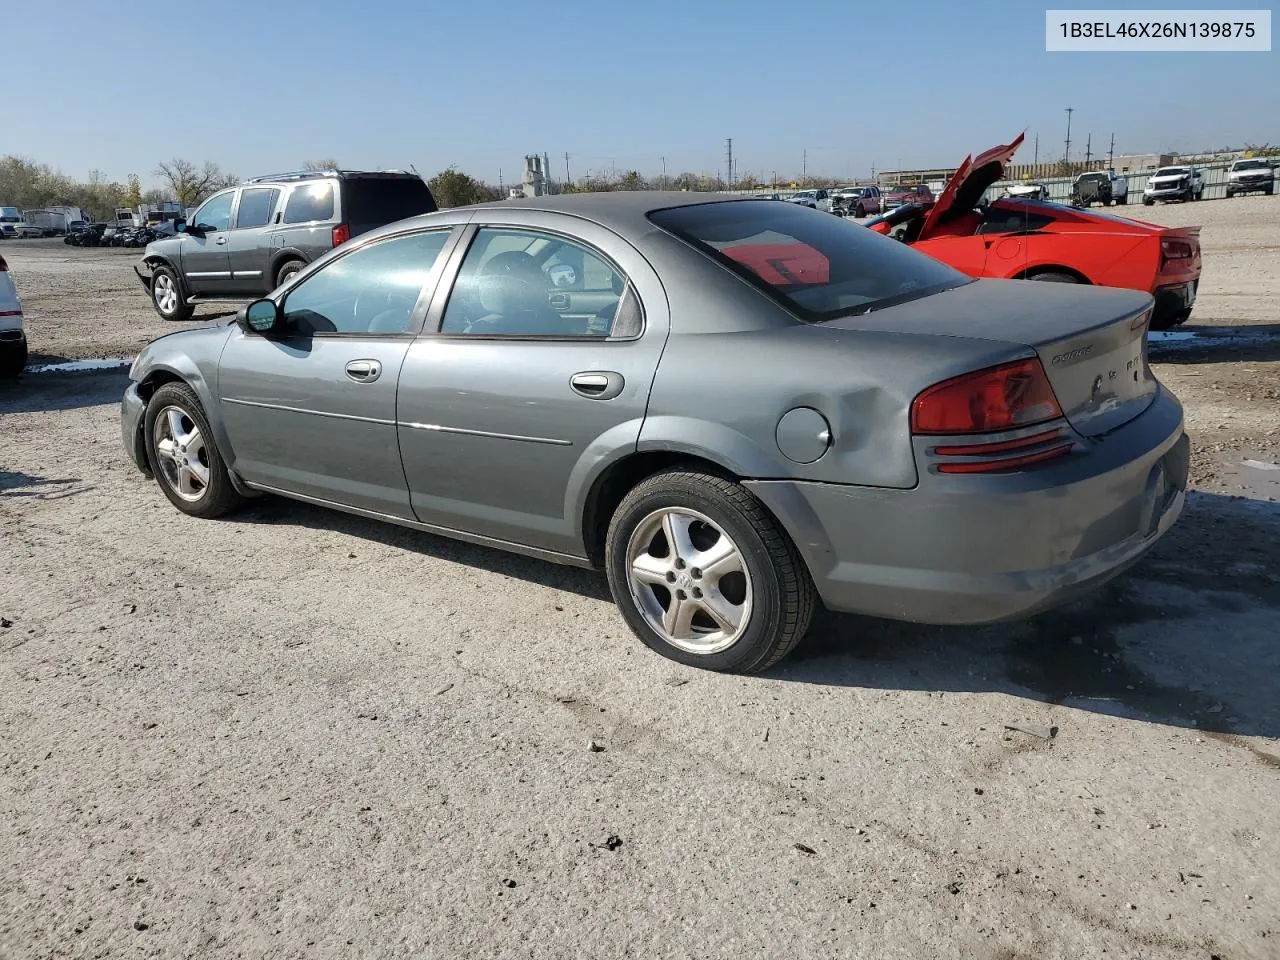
x=818 y=266
x=1092 y=177
x=379 y=200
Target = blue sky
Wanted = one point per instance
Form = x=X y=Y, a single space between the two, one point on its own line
x=382 y=83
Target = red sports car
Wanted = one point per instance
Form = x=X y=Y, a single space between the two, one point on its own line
x=1014 y=238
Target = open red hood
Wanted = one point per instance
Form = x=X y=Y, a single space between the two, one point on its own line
x=968 y=184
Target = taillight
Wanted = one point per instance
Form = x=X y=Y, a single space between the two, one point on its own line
x=341 y=234
x=1006 y=397
x=1176 y=250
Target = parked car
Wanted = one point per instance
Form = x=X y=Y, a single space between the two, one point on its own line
x=1027 y=190
x=903 y=194
x=10 y=217
x=1251 y=176
x=27 y=231
x=856 y=201
x=90 y=236
x=1035 y=240
x=737 y=409
x=814 y=199
x=13 y=338
x=1100 y=186
x=245 y=241
x=1174 y=183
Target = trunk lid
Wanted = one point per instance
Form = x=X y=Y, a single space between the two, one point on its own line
x=968 y=184
x=1090 y=340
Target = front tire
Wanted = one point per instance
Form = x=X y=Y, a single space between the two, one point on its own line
x=184 y=456
x=167 y=296
x=705 y=576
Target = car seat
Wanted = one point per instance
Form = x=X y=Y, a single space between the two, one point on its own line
x=512 y=291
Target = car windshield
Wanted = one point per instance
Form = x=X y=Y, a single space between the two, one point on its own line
x=817 y=266
x=1250 y=165
x=904 y=189
x=1171 y=172
x=1091 y=177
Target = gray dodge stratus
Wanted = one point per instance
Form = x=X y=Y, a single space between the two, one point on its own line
x=736 y=408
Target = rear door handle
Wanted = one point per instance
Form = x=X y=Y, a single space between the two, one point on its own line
x=597 y=384
x=364 y=371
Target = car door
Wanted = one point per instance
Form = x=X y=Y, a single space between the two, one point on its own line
x=508 y=410
x=312 y=412
x=248 y=243
x=206 y=267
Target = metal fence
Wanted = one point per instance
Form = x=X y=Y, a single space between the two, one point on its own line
x=1215 y=184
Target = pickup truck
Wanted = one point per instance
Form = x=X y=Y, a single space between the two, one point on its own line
x=1174 y=183
x=817 y=199
x=1104 y=186
x=1247 y=176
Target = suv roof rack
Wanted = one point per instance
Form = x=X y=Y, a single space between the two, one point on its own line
x=317 y=174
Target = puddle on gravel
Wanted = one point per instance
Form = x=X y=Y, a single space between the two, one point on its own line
x=81 y=366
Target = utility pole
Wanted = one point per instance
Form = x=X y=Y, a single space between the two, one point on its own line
x=1067 y=156
x=566 y=167
x=1036 y=160
x=665 y=185
x=804 y=166
x=501 y=188
x=1088 y=151
x=1111 y=153
x=728 y=151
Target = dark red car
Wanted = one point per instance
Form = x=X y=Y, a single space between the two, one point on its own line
x=1021 y=239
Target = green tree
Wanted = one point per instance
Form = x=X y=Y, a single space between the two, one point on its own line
x=133 y=195
x=453 y=188
x=631 y=180
x=685 y=181
x=190 y=184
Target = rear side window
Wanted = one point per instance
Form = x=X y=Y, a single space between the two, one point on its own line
x=312 y=201
x=1001 y=220
x=374 y=201
x=256 y=206
x=819 y=267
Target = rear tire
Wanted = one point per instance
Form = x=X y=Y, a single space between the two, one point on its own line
x=755 y=582
x=1054 y=276
x=167 y=295
x=13 y=359
x=184 y=456
x=1147 y=202
x=288 y=270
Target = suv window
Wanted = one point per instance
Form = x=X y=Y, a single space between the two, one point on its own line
x=215 y=214
x=255 y=206
x=371 y=290
x=525 y=283
x=820 y=268
x=310 y=201
x=379 y=200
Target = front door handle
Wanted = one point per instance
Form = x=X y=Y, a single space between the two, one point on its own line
x=364 y=371
x=221 y=240
x=597 y=384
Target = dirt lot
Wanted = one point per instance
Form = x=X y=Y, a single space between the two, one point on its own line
x=300 y=734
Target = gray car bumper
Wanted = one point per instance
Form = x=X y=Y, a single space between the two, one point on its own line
x=963 y=550
x=132 y=410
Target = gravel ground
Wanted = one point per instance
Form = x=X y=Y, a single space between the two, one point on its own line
x=295 y=733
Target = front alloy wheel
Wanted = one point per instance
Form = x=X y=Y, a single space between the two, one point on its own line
x=182 y=454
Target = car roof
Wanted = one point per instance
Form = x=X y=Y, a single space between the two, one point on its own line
x=621 y=210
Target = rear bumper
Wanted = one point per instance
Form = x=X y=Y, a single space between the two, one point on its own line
x=132 y=410
x=965 y=550
x=1246 y=186
x=1173 y=302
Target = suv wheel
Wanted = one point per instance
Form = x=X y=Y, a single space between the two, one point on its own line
x=288 y=270
x=704 y=575
x=167 y=297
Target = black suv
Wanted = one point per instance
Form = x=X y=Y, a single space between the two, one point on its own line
x=245 y=241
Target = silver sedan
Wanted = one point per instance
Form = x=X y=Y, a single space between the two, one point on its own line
x=737 y=409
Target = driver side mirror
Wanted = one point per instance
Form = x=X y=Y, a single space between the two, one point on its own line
x=263 y=317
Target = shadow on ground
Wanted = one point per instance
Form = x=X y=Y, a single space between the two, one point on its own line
x=33 y=393
x=1214 y=344
x=1186 y=638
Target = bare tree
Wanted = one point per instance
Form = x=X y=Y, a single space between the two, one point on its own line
x=189 y=184
x=320 y=165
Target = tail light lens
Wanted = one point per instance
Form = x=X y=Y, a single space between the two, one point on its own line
x=999 y=398
x=1176 y=249
x=341 y=234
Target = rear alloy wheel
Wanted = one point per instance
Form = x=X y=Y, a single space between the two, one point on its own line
x=288 y=271
x=166 y=295
x=705 y=576
x=184 y=456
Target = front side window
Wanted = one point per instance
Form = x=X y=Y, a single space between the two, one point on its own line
x=215 y=215
x=371 y=290
x=308 y=202
x=256 y=206
x=820 y=268
x=525 y=283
